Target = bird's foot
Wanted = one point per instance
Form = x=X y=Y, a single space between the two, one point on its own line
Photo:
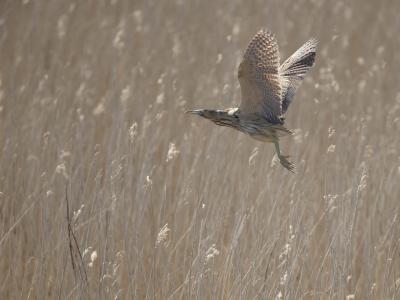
x=287 y=164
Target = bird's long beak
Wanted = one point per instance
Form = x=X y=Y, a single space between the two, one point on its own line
x=198 y=112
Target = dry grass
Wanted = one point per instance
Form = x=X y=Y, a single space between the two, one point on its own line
x=164 y=205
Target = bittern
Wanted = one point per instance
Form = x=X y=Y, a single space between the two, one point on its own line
x=267 y=89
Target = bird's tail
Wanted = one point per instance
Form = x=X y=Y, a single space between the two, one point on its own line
x=281 y=130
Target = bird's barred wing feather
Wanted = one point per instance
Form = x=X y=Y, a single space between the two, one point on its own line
x=294 y=69
x=259 y=78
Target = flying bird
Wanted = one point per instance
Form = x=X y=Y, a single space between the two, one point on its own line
x=267 y=89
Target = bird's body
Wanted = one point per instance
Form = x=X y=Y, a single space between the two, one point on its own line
x=267 y=90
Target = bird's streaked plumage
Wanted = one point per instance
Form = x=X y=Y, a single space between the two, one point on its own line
x=267 y=90
x=294 y=69
x=259 y=78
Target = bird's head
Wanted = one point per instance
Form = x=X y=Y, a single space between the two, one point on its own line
x=228 y=117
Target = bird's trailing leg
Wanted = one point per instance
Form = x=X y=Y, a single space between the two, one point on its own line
x=284 y=159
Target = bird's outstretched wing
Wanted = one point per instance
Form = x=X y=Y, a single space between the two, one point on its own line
x=259 y=78
x=294 y=69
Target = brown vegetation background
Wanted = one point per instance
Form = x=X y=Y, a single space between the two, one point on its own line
x=164 y=205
